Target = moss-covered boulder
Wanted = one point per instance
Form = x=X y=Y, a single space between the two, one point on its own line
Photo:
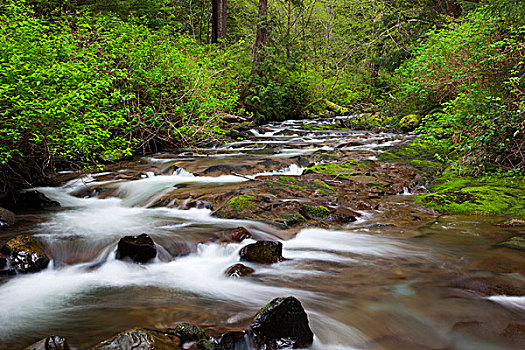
x=262 y=252
x=140 y=339
x=23 y=254
x=50 y=343
x=483 y=195
x=410 y=122
x=280 y=324
x=239 y=270
x=517 y=242
x=188 y=332
x=237 y=207
x=318 y=211
x=338 y=110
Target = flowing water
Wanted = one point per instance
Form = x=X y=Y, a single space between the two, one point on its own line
x=364 y=286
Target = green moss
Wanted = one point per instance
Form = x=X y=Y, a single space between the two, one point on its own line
x=517 y=242
x=410 y=122
x=388 y=156
x=485 y=195
x=318 y=211
x=294 y=219
x=359 y=163
x=426 y=163
x=241 y=202
x=330 y=169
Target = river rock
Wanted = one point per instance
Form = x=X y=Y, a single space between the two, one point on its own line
x=50 y=343
x=237 y=235
x=7 y=217
x=139 y=339
x=281 y=324
x=33 y=199
x=263 y=252
x=239 y=270
x=517 y=242
x=24 y=255
x=188 y=332
x=140 y=249
x=232 y=340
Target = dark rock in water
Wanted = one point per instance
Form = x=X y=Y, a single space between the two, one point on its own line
x=188 y=332
x=239 y=270
x=263 y=252
x=50 y=343
x=224 y=169
x=3 y=261
x=237 y=235
x=233 y=340
x=35 y=200
x=178 y=249
x=517 y=242
x=204 y=344
x=7 y=218
x=200 y=204
x=140 y=249
x=139 y=339
x=282 y=323
x=24 y=255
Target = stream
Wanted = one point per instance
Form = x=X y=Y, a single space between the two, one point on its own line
x=379 y=282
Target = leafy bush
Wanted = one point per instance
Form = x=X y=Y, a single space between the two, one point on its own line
x=86 y=89
x=469 y=78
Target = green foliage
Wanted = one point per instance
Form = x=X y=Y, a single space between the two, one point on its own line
x=469 y=79
x=94 y=88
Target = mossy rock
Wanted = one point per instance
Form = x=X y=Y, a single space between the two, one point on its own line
x=338 y=110
x=317 y=211
x=517 y=242
x=188 y=332
x=237 y=207
x=388 y=156
x=331 y=169
x=410 y=122
x=139 y=339
x=484 y=195
x=294 y=219
x=262 y=252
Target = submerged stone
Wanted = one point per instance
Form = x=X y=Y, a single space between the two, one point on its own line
x=50 y=343
x=282 y=323
x=140 y=249
x=237 y=235
x=263 y=252
x=23 y=254
x=517 y=242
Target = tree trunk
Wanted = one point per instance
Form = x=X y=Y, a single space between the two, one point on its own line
x=218 y=28
x=262 y=33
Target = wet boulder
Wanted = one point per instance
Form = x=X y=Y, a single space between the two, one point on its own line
x=237 y=235
x=188 y=332
x=35 y=200
x=517 y=242
x=232 y=340
x=139 y=339
x=343 y=215
x=7 y=218
x=239 y=270
x=200 y=204
x=281 y=324
x=140 y=249
x=50 y=343
x=263 y=252
x=23 y=255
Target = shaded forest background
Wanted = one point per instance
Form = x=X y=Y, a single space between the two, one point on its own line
x=83 y=83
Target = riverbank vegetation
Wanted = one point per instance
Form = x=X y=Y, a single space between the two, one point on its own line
x=86 y=82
